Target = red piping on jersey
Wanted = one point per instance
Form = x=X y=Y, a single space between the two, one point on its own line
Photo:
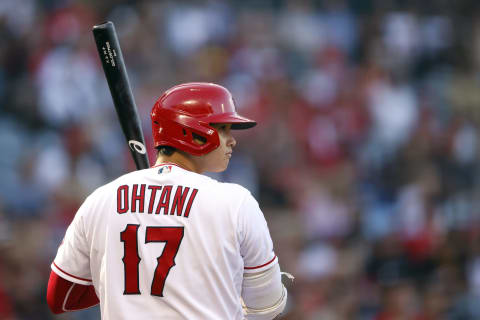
x=71 y=275
x=263 y=265
x=170 y=163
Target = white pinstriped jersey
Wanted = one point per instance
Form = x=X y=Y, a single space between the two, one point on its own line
x=166 y=242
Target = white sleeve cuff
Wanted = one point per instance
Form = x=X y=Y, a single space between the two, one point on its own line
x=269 y=264
x=70 y=277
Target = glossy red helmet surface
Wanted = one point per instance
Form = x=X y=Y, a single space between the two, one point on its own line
x=190 y=108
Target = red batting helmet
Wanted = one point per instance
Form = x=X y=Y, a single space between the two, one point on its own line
x=191 y=108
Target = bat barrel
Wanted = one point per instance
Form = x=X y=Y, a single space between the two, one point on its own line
x=115 y=71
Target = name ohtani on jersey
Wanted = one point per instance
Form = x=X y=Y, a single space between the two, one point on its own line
x=155 y=199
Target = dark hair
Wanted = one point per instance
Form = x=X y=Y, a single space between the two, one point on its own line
x=165 y=150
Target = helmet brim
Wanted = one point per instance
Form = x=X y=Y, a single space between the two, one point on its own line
x=243 y=125
x=237 y=121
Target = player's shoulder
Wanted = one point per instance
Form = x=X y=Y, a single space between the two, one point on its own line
x=230 y=193
x=210 y=182
x=210 y=186
x=113 y=185
x=207 y=182
x=233 y=188
x=177 y=175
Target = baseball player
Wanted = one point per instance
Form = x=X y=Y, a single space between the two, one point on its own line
x=167 y=242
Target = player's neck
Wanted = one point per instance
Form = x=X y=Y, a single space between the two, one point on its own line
x=179 y=159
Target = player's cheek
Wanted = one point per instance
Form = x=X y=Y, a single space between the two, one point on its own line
x=224 y=161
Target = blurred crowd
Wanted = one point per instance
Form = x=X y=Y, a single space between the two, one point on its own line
x=365 y=159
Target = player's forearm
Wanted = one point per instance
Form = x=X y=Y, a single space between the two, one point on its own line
x=63 y=295
x=263 y=294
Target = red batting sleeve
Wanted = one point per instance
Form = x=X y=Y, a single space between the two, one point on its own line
x=63 y=295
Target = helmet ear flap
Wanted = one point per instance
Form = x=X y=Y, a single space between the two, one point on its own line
x=180 y=131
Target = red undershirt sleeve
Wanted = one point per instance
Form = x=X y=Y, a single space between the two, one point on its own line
x=64 y=295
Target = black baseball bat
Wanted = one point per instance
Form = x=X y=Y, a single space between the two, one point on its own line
x=116 y=73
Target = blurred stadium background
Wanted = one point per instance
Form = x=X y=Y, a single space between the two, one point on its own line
x=365 y=160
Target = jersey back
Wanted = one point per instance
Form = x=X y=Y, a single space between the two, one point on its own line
x=166 y=242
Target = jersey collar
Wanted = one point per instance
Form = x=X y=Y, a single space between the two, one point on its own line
x=170 y=164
